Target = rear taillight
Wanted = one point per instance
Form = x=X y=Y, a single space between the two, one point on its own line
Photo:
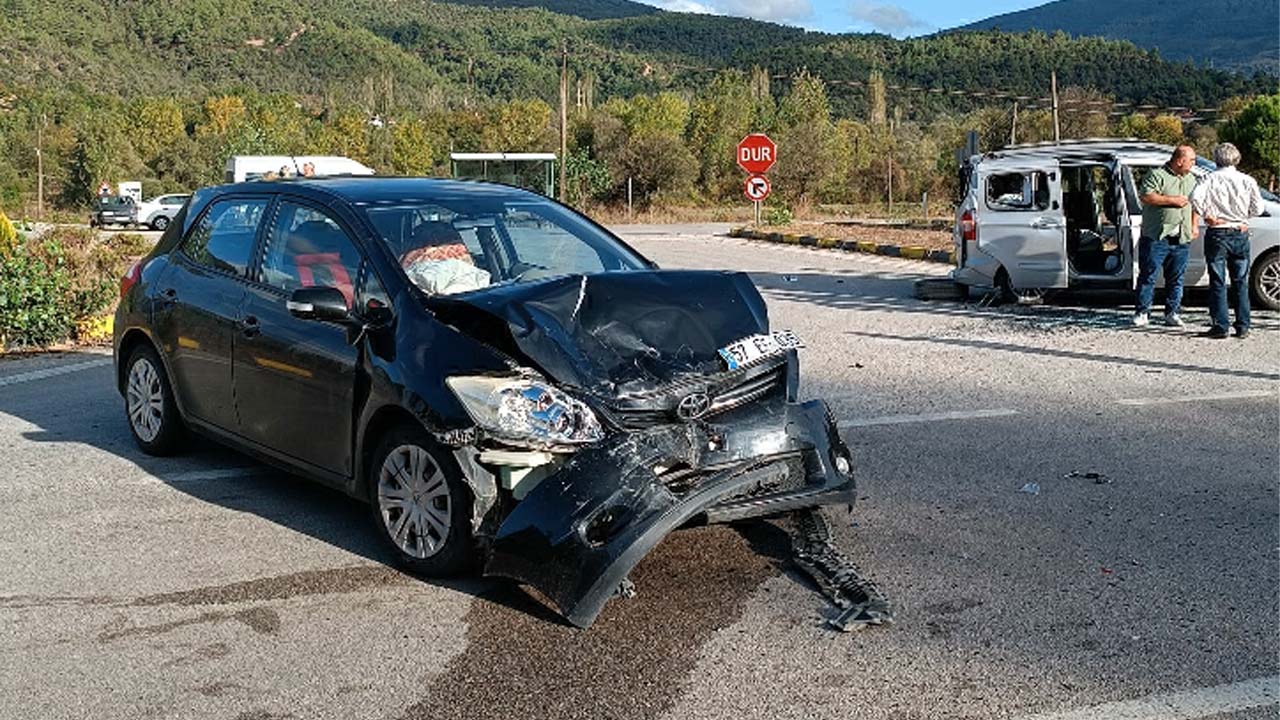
x=131 y=278
x=968 y=226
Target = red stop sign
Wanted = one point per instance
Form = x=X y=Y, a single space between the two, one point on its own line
x=757 y=153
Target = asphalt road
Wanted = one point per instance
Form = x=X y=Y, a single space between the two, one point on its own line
x=210 y=586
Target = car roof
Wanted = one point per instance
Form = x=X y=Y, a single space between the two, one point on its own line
x=1129 y=149
x=381 y=189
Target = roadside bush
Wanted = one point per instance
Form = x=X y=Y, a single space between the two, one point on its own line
x=51 y=286
x=8 y=236
x=33 y=297
x=778 y=215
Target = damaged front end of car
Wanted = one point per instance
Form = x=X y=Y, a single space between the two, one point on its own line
x=628 y=419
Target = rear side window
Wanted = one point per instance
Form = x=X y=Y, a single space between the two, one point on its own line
x=1018 y=191
x=224 y=237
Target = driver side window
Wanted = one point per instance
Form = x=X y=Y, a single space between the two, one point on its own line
x=307 y=248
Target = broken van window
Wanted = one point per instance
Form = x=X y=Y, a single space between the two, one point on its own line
x=1018 y=191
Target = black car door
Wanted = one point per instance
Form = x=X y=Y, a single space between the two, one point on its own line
x=295 y=379
x=198 y=303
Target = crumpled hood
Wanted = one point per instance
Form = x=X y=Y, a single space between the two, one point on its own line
x=618 y=333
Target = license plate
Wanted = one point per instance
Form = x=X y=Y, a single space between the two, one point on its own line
x=750 y=349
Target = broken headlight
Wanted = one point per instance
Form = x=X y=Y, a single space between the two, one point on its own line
x=523 y=409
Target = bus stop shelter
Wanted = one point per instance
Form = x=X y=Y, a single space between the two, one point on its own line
x=532 y=171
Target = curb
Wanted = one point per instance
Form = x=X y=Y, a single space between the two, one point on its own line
x=910 y=252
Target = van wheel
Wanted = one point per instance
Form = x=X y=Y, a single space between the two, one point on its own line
x=1264 y=281
x=421 y=505
x=1021 y=296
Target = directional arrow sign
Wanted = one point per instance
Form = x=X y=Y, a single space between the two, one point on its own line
x=757 y=188
x=757 y=153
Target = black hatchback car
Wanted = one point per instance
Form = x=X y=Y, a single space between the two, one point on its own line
x=503 y=381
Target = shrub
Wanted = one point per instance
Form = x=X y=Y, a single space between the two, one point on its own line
x=33 y=297
x=778 y=215
x=8 y=236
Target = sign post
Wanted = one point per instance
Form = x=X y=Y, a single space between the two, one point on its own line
x=756 y=155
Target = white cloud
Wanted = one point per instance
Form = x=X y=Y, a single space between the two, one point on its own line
x=885 y=17
x=770 y=10
x=685 y=6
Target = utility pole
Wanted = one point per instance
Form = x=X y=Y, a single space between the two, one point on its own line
x=564 y=115
x=40 y=167
x=1013 y=129
x=1057 y=129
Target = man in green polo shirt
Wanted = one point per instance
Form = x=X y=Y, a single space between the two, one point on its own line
x=1168 y=227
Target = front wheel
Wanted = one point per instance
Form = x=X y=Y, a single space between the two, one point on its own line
x=1264 y=281
x=160 y=223
x=149 y=405
x=421 y=505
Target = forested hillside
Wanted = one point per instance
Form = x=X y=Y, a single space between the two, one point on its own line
x=163 y=92
x=589 y=9
x=1227 y=34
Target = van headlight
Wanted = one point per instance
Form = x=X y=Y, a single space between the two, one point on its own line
x=524 y=410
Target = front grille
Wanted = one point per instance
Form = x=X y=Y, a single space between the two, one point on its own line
x=727 y=391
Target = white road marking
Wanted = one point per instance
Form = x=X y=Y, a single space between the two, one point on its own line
x=1242 y=395
x=928 y=417
x=52 y=372
x=1184 y=705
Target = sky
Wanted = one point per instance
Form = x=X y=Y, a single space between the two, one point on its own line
x=899 y=18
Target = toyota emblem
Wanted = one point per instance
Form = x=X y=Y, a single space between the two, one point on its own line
x=693 y=406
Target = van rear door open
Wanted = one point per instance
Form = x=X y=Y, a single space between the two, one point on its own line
x=1023 y=225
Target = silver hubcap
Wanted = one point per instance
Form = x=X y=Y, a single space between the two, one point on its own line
x=145 y=400
x=1269 y=281
x=413 y=498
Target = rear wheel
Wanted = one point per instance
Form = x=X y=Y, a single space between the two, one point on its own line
x=1264 y=281
x=149 y=405
x=421 y=505
x=1021 y=296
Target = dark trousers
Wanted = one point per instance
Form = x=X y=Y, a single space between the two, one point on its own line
x=1152 y=256
x=1226 y=251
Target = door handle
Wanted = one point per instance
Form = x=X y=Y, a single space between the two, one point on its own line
x=250 y=327
x=1045 y=224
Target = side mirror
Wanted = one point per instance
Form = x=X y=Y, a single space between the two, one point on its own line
x=326 y=304
x=376 y=315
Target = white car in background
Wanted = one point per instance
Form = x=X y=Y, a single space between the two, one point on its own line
x=157 y=212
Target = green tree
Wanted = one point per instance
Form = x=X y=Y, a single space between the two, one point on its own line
x=811 y=153
x=411 y=148
x=518 y=126
x=1256 y=133
x=720 y=117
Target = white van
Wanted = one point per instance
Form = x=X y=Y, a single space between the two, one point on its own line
x=1046 y=216
x=252 y=167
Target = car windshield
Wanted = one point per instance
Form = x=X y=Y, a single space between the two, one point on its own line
x=456 y=245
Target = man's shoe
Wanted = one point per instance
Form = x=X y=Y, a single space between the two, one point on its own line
x=1242 y=332
x=1174 y=320
x=1215 y=332
x=1140 y=320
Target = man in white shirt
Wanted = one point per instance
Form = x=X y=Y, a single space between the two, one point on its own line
x=1226 y=199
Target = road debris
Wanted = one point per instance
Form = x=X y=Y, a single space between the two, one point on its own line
x=1030 y=488
x=1097 y=477
x=838 y=577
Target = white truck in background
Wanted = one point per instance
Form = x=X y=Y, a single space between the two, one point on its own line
x=254 y=167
